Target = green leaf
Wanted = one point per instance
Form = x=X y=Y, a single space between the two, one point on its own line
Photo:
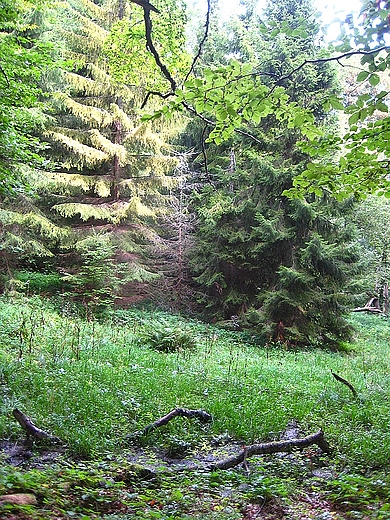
x=382 y=107
x=231 y=110
x=374 y=79
x=354 y=118
x=336 y=104
x=362 y=75
x=299 y=120
x=256 y=117
x=222 y=114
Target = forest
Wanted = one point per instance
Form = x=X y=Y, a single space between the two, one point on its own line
x=194 y=260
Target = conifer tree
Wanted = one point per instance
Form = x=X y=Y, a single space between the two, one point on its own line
x=27 y=235
x=278 y=264
x=113 y=171
x=109 y=163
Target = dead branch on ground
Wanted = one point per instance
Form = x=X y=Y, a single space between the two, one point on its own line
x=30 y=428
x=201 y=415
x=241 y=457
x=345 y=382
x=272 y=447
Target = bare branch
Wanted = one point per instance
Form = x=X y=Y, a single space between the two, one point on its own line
x=156 y=93
x=203 y=41
x=327 y=60
x=272 y=447
x=146 y=5
x=5 y=75
x=27 y=425
x=345 y=382
x=201 y=415
x=151 y=48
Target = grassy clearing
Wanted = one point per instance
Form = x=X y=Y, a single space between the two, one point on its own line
x=91 y=384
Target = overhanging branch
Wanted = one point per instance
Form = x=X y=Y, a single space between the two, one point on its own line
x=203 y=41
x=329 y=59
x=151 y=48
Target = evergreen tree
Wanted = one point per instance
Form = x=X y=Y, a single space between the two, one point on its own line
x=114 y=172
x=19 y=86
x=276 y=263
x=109 y=163
x=26 y=233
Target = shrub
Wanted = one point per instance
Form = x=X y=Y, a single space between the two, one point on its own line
x=38 y=283
x=164 y=338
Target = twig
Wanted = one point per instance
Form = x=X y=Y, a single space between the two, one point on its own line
x=203 y=41
x=5 y=75
x=331 y=58
x=212 y=123
x=345 y=382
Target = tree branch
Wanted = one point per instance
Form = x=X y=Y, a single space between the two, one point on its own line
x=326 y=60
x=203 y=41
x=272 y=447
x=345 y=382
x=211 y=123
x=5 y=75
x=27 y=425
x=177 y=412
x=156 y=93
x=151 y=48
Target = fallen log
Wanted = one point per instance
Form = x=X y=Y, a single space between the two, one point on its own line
x=371 y=306
x=29 y=427
x=201 y=415
x=368 y=309
x=271 y=447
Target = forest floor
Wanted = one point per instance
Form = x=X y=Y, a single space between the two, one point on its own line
x=143 y=484
x=95 y=386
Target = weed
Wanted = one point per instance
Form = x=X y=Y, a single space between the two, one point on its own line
x=369 y=495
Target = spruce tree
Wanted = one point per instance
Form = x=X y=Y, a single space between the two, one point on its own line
x=113 y=172
x=109 y=163
x=278 y=264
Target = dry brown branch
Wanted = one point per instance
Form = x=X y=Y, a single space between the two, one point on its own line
x=27 y=425
x=272 y=447
x=177 y=412
x=345 y=382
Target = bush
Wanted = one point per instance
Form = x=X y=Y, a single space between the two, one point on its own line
x=38 y=283
x=164 y=338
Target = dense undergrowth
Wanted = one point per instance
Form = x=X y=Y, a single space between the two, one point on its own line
x=93 y=383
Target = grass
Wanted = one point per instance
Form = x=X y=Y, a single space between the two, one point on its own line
x=91 y=384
